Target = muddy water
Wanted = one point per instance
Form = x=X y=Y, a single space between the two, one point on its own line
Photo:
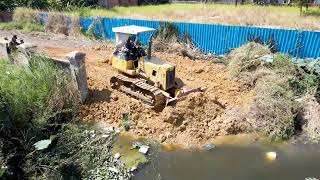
x=233 y=158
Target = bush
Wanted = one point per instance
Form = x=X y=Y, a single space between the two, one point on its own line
x=273 y=110
x=79 y=152
x=34 y=102
x=33 y=95
x=7 y=5
x=283 y=64
x=26 y=15
x=304 y=84
x=245 y=58
x=24 y=26
x=35 y=4
x=168 y=31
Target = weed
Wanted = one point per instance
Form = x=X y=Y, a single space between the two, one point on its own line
x=274 y=110
x=26 y=15
x=25 y=26
x=80 y=152
x=90 y=31
x=125 y=121
x=168 y=32
x=304 y=84
x=27 y=92
x=245 y=58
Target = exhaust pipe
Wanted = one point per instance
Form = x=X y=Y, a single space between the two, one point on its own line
x=149 y=47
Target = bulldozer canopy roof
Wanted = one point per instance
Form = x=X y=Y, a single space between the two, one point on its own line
x=132 y=29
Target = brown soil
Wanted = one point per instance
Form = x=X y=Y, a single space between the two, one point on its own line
x=193 y=120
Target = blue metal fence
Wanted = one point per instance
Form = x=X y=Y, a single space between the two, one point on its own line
x=219 y=39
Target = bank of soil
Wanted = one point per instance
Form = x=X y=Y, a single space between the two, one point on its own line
x=194 y=120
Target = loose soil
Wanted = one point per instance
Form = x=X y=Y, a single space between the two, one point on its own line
x=194 y=120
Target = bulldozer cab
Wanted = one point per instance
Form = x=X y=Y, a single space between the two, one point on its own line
x=128 y=46
x=130 y=58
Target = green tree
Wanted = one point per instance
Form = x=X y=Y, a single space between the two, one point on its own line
x=7 y=5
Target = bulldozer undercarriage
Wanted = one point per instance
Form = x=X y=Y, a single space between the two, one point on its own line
x=139 y=89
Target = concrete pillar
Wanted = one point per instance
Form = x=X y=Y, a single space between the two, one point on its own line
x=78 y=73
x=3 y=49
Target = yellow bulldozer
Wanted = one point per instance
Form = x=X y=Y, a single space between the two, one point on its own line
x=142 y=76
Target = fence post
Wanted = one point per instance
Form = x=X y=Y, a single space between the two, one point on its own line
x=78 y=73
x=3 y=49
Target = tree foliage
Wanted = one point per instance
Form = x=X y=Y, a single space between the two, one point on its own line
x=7 y=5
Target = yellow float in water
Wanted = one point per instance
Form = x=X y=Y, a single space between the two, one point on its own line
x=271 y=156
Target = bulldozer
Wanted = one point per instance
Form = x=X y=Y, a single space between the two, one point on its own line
x=141 y=75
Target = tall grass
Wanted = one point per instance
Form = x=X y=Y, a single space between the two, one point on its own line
x=32 y=95
x=25 y=26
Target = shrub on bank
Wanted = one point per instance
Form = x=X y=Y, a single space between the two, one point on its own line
x=245 y=58
x=277 y=85
x=24 y=19
x=35 y=94
x=34 y=102
x=273 y=110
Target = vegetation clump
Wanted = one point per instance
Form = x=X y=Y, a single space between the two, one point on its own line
x=79 y=152
x=277 y=84
x=34 y=102
x=245 y=58
x=274 y=109
x=23 y=19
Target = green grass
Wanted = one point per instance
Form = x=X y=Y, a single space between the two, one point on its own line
x=24 y=26
x=312 y=12
x=228 y=14
x=27 y=93
x=179 y=7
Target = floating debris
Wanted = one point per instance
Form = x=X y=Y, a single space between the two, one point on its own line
x=144 y=149
x=105 y=135
x=117 y=156
x=311 y=178
x=134 y=168
x=136 y=145
x=209 y=147
x=272 y=155
x=113 y=169
x=43 y=144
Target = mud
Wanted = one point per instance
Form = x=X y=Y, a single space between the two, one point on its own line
x=193 y=120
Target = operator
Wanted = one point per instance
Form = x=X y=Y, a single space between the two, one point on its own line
x=13 y=44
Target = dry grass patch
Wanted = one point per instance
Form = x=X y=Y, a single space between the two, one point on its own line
x=245 y=58
x=244 y=15
x=273 y=110
x=26 y=15
x=312 y=119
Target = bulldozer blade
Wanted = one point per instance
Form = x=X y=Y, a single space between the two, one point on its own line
x=171 y=100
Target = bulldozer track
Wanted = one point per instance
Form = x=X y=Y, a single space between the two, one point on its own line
x=139 y=89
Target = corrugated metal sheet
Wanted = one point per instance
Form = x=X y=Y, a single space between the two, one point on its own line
x=220 y=39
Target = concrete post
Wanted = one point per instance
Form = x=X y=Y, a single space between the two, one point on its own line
x=3 y=49
x=78 y=73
